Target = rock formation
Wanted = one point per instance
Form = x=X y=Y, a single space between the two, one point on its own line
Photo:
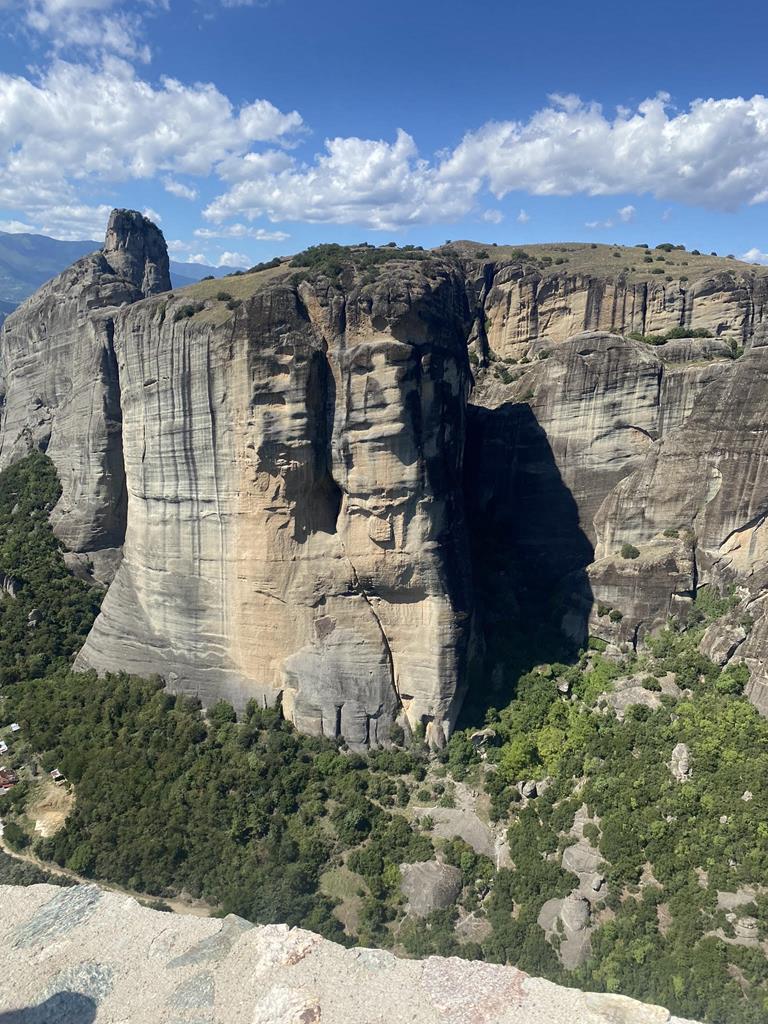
x=80 y=955
x=428 y=886
x=293 y=469
x=59 y=389
x=283 y=464
x=549 y=293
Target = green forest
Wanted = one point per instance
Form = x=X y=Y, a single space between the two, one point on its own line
x=256 y=819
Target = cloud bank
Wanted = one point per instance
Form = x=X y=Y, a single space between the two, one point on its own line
x=81 y=128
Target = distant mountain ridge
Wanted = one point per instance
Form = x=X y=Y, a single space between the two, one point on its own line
x=28 y=261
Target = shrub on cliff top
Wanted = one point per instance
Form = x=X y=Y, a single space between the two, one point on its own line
x=331 y=259
x=629 y=551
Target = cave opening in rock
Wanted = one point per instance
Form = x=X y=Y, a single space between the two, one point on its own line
x=319 y=504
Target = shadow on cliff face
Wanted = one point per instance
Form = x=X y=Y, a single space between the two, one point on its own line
x=62 y=1008
x=529 y=554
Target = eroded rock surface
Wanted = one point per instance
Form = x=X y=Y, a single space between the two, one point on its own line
x=59 y=386
x=296 y=521
x=429 y=886
x=101 y=957
x=288 y=471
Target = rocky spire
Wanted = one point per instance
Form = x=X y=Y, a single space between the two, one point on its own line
x=135 y=249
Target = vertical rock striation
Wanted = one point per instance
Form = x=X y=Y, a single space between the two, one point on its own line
x=59 y=387
x=295 y=516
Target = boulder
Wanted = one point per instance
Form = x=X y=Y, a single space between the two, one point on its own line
x=429 y=885
x=581 y=858
x=721 y=641
x=575 y=913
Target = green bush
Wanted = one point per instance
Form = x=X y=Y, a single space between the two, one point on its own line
x=629 y=551
x=332 y=259
x=187 y=311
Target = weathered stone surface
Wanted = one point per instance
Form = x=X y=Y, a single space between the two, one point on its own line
x=548 y=451
x=296 y=476
x=429 y=886
x=123 y=962
x=522 y=303
x=296 y=514
x=574 y=913
x=680 y=763
x=59 y=387
x=721 y=641
x=581 y=858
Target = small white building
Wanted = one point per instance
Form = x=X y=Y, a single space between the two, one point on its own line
x=15 y=727
x=3 y=747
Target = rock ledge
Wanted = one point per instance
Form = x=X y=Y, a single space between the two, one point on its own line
x=81 y=955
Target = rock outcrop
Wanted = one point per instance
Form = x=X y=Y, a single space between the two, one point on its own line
x=296 y=528
x=548 y=293
x=59 y=387
x=80 y=955
x=429 y=886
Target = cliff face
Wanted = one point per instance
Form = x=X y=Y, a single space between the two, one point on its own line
x=295 y=510
x=550 y=293
x=59 y=388
x=285 y=466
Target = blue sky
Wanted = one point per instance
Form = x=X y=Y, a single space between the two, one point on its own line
x=257 y=128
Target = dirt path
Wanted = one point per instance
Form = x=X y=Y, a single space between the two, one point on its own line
x=190 y=908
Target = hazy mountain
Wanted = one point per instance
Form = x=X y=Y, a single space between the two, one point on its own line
x=27 y=261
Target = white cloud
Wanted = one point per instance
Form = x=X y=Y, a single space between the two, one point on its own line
x=492 y=216
x=713 y=154
x=16 y=227
x=75 y=221
x=237 y=260
x=523 y=217
x=598 y=225
x=754 y=255
x=198 y=257
x=91 y=26
x=82 y=127
x=152 y=215
x=178 y=189
x=81 y=124
x=242 y=231
x=373 y=183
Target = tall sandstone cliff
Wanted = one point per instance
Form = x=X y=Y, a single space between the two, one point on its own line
x=313 y=504
x=295 y=507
